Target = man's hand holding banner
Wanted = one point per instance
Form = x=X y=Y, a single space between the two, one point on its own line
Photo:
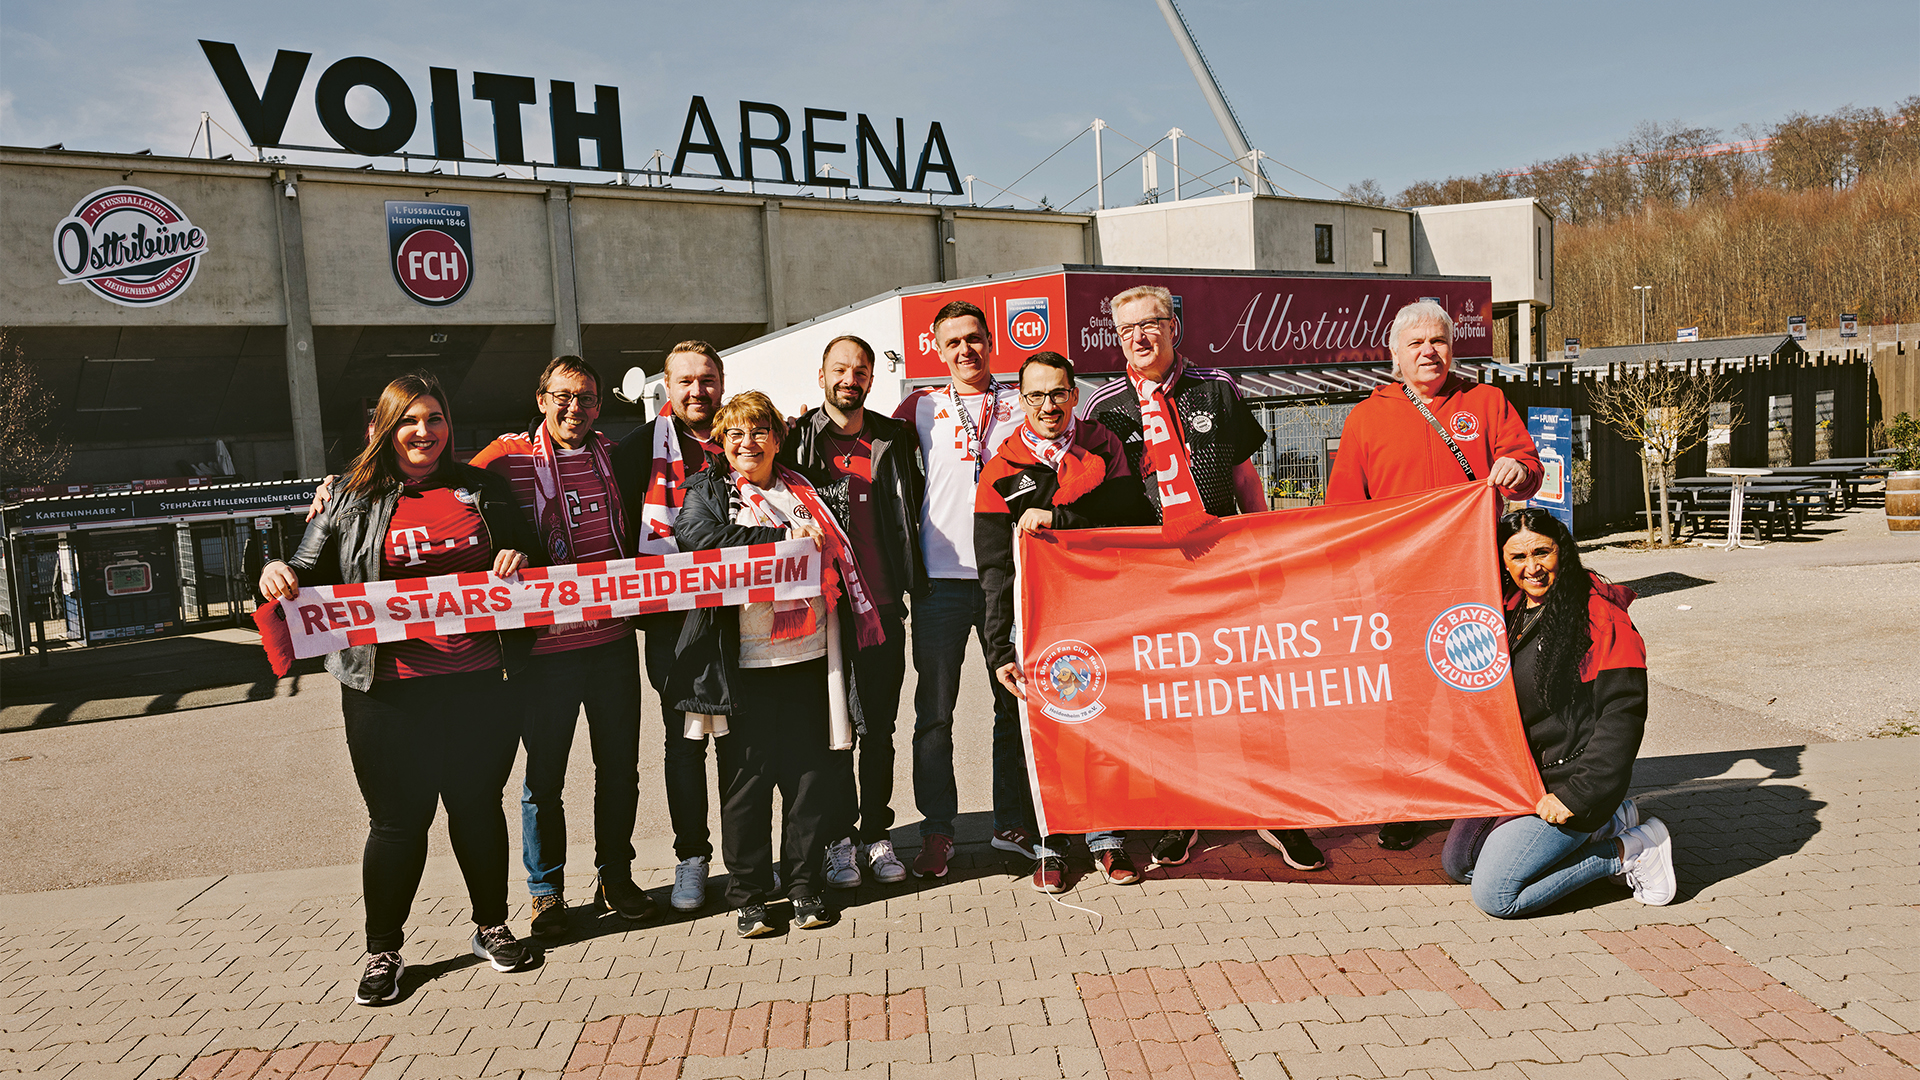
x=326 y=618
x=1334 y=665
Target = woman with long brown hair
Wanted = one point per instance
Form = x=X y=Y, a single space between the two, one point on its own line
x=428 y=720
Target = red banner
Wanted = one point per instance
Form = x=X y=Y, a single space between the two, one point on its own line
x=1331 y=665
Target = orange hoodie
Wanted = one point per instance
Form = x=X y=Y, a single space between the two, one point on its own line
x=1387 y=448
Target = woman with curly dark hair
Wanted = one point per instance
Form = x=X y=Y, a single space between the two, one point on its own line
x=1580 y=673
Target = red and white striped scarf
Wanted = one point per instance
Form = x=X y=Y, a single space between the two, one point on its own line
x=1079 y=471
x=666 y=488
x=794 y=618
x=549 y=508
x=1166 y=457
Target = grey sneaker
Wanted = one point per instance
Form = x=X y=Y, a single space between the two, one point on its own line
x=886 y=866
x=843 y=869
x=690 y=884
x=1626 y=817
x=1648 y=861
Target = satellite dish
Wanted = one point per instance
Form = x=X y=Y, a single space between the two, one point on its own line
x=640 y=388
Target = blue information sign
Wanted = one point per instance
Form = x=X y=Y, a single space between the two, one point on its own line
x=1552 y=431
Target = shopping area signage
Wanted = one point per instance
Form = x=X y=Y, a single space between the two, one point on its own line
x=770 y=144
x=129 y=245
x=1221 y=320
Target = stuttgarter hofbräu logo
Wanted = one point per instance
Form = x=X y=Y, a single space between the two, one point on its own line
x=1070 y=677
x=1467 y=646
x=129 y=245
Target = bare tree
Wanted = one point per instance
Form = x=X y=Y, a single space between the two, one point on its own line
x=1367 y=192
x=1664 y=411
x=30 y=453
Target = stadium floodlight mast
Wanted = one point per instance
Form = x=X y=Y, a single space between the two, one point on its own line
x=1644 y=291
x=1216 y=100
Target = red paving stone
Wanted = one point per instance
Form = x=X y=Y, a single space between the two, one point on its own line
x=308 y=1061
x=646 y=1047
x=1781 y=1031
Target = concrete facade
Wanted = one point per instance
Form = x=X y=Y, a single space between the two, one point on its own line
x=1259 y=232
x=1509 y=240
x=295 y=298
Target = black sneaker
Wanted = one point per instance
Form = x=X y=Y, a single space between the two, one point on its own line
x=497 y=945
x=754 y=922
x=1293 y=846
x=1174 y=846
x=810 y=913
x=549 y=915
x=381 y=983
x=627 y=900
x=1399 y=835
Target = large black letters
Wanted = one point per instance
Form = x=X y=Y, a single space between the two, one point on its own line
x=330 y=101
x=778 y=144
x=264 y=115
x=570 y=125
x=507 y=93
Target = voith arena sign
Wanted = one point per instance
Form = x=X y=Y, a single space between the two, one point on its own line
x=129 y=245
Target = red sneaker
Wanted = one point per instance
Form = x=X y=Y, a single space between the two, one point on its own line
x=1051 y=875
x=1116 y=867
x=935 y=850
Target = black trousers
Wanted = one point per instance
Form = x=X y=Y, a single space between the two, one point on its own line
x=777 y=738
x=685 y=759
x=418 y=743
x=877 y=675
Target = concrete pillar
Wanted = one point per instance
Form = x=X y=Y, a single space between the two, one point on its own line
x=770 y=248
x=949 y=246
x=303 y=379
x=1522 y=352
x=566 y=302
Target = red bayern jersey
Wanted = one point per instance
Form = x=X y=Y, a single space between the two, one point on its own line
x=435 y=531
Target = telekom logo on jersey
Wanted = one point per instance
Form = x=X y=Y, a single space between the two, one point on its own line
x=414 y=542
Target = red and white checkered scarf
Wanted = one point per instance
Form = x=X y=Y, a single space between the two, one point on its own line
x=795 y=618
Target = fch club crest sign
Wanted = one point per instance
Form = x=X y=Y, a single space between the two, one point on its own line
x=1027 y=322
x=432 y=250
x=129 y=245
x=1467 y=647
x=1069 y=676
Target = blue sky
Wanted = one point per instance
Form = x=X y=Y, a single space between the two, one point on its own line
x=1397 y=92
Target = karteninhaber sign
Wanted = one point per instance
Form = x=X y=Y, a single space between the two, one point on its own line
x=432 y=249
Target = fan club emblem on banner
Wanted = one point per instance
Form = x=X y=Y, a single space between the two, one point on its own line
x=1467 y=646
x=129 y=245
x=432 y=248
x=1070 y=677
x=1027 y=322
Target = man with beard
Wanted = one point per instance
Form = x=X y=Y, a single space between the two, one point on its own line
x=1191 y=439
x=874 y=486
x=654 y=463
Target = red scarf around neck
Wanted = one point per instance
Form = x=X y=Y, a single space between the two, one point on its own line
x=1080 y=470
x=1166 y=458
x=836 y=553
x=666 y=488
x=549 y=508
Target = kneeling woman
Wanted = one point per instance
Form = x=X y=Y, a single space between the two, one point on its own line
x=1580 y=671
x=758 y=674
x=427 y=721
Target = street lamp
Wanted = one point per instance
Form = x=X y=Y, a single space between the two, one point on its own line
x=1644 y=291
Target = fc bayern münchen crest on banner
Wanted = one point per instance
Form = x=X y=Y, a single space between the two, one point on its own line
x=431 y=245
x=1467 y=646
x=1027 y=322
x=1070 y=677
x=129 y=245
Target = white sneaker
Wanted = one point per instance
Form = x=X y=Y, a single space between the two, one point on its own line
x=886 y=866
x=1623 y=819
x=1648 y=861
x=843 y=869
x=690 y=884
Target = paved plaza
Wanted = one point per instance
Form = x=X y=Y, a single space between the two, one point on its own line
x=183 y=900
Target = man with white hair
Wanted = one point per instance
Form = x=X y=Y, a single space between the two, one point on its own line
x=1430 y=429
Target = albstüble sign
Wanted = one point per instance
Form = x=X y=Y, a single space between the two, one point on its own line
x=767 y=144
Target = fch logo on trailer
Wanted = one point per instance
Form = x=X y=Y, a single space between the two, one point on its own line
x=1027 y=322
x=432 y=248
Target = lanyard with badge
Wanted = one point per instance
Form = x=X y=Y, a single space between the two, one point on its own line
x=977 y=437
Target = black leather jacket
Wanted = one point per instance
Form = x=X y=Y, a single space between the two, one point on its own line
x=898 y=488
x=343 y=546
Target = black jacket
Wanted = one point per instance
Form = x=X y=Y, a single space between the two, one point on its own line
x=345 y=544
x=1119 y=500
x=898 y=488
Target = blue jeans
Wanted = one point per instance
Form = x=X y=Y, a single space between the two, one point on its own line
x=1097 y=842
x=606 y=680
x=952 y=609
x=1519 y=865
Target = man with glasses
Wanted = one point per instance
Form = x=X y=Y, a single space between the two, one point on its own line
x=656 y=462
x=1055 y=473
x=874 y=488
x=960 y=425
x=1191 y=439
x=562 y=474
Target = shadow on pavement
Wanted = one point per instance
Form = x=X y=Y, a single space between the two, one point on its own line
x=139 y=678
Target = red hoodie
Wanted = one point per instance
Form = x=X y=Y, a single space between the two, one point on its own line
x=1387 y=448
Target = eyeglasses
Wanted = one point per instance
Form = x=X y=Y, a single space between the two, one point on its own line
x=754 y=435
x=1149 y=327
x=563 y=399
x=1037 y=398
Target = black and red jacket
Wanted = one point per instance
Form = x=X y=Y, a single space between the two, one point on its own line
x=1100 y=490
x=1585 y=749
